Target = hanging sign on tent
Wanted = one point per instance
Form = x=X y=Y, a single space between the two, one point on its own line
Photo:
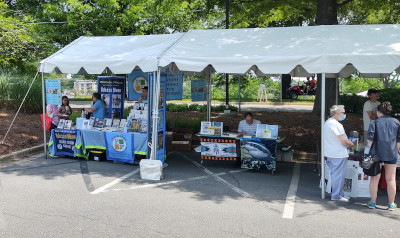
x=199 y=90
x=112 y=90
x=173 y=87
x=53 y=91
x=138 y=79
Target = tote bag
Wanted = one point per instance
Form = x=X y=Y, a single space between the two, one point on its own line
x=48 y=121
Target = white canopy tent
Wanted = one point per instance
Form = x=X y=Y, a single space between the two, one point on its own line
x=333 y=51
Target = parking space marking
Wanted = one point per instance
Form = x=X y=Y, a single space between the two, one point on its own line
x=291 y=195
x=116 y=181
x=219 y=179
x=171 y=182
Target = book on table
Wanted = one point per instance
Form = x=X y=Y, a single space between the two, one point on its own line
x=61 y=124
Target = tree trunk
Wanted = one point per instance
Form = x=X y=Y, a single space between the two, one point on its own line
x=331 y=92
x=326 y=15
x=326 y=12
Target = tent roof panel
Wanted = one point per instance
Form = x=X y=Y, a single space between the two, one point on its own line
x=121 y=54
x=318 y=49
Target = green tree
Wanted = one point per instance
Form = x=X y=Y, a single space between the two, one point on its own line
x=19 y=42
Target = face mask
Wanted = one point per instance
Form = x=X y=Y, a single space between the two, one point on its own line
x=342 y=117
x=51 y=115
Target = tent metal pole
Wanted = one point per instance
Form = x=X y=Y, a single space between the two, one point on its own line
x=209 y=95
x=149 y=104
x=322 y=135
x=156 y=94
x=336 y=92
x=239 y=94
x=44 y=117
x=280 y=80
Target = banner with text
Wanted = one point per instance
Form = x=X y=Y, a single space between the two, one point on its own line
x=53 y=91
x=112 y=90
x=65 y=141
x=199 y=90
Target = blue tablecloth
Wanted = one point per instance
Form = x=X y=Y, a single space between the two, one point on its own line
x=63 y=142
x=92 y=139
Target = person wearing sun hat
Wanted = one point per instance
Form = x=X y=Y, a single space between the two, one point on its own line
x=369 y=110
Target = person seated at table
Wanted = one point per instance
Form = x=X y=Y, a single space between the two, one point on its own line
x=248 y=126
x=52 y=112
x=143 y=97
x=99 y=107
x=65 y=110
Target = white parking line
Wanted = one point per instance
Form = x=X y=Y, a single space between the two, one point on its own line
x=103 y=188
x=291 y=195
x=171 y=182
x=215 y=176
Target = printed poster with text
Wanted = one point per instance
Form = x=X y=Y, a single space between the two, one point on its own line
x=112 y=90
x=199 y=90
x=53 y=91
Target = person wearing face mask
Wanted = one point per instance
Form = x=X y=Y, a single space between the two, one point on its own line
x=335 y=149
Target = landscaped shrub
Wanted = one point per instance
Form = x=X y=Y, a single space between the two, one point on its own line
x=391 y=95
x=13 y=89
x=182 y=122
x=73 y=117
x=355 y=104
x=176 y=107
x=193 y=107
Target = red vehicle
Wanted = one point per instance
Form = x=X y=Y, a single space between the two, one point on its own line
x=294 y=91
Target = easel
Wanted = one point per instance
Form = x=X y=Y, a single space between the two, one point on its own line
x=262 y=93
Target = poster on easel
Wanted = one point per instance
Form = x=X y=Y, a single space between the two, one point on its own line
x=53 y=91
x=112 y=90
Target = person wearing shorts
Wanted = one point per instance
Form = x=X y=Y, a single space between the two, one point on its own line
x=386 y=147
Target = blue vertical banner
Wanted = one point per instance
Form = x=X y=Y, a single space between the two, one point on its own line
x=161 y=128
x=199 y=90
x=112 y=90
x=53 y=91
x=173 y=86
x=120 y=146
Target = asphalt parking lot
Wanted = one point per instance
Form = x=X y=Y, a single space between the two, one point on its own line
x=64 y=197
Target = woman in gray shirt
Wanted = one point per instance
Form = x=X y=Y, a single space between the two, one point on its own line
x=386 y=146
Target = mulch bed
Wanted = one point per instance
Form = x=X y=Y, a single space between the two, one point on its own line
x=301 y=130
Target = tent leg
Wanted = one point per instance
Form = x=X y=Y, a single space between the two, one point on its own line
x=44 y=118
x=156 y=95
x=209 y=95
x=239 y=94
x=280 y=80
x=322 y=135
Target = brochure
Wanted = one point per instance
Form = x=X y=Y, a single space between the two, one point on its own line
x=204 y=127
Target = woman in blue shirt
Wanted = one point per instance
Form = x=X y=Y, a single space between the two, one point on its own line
x=99 y=107
x=386 y=146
